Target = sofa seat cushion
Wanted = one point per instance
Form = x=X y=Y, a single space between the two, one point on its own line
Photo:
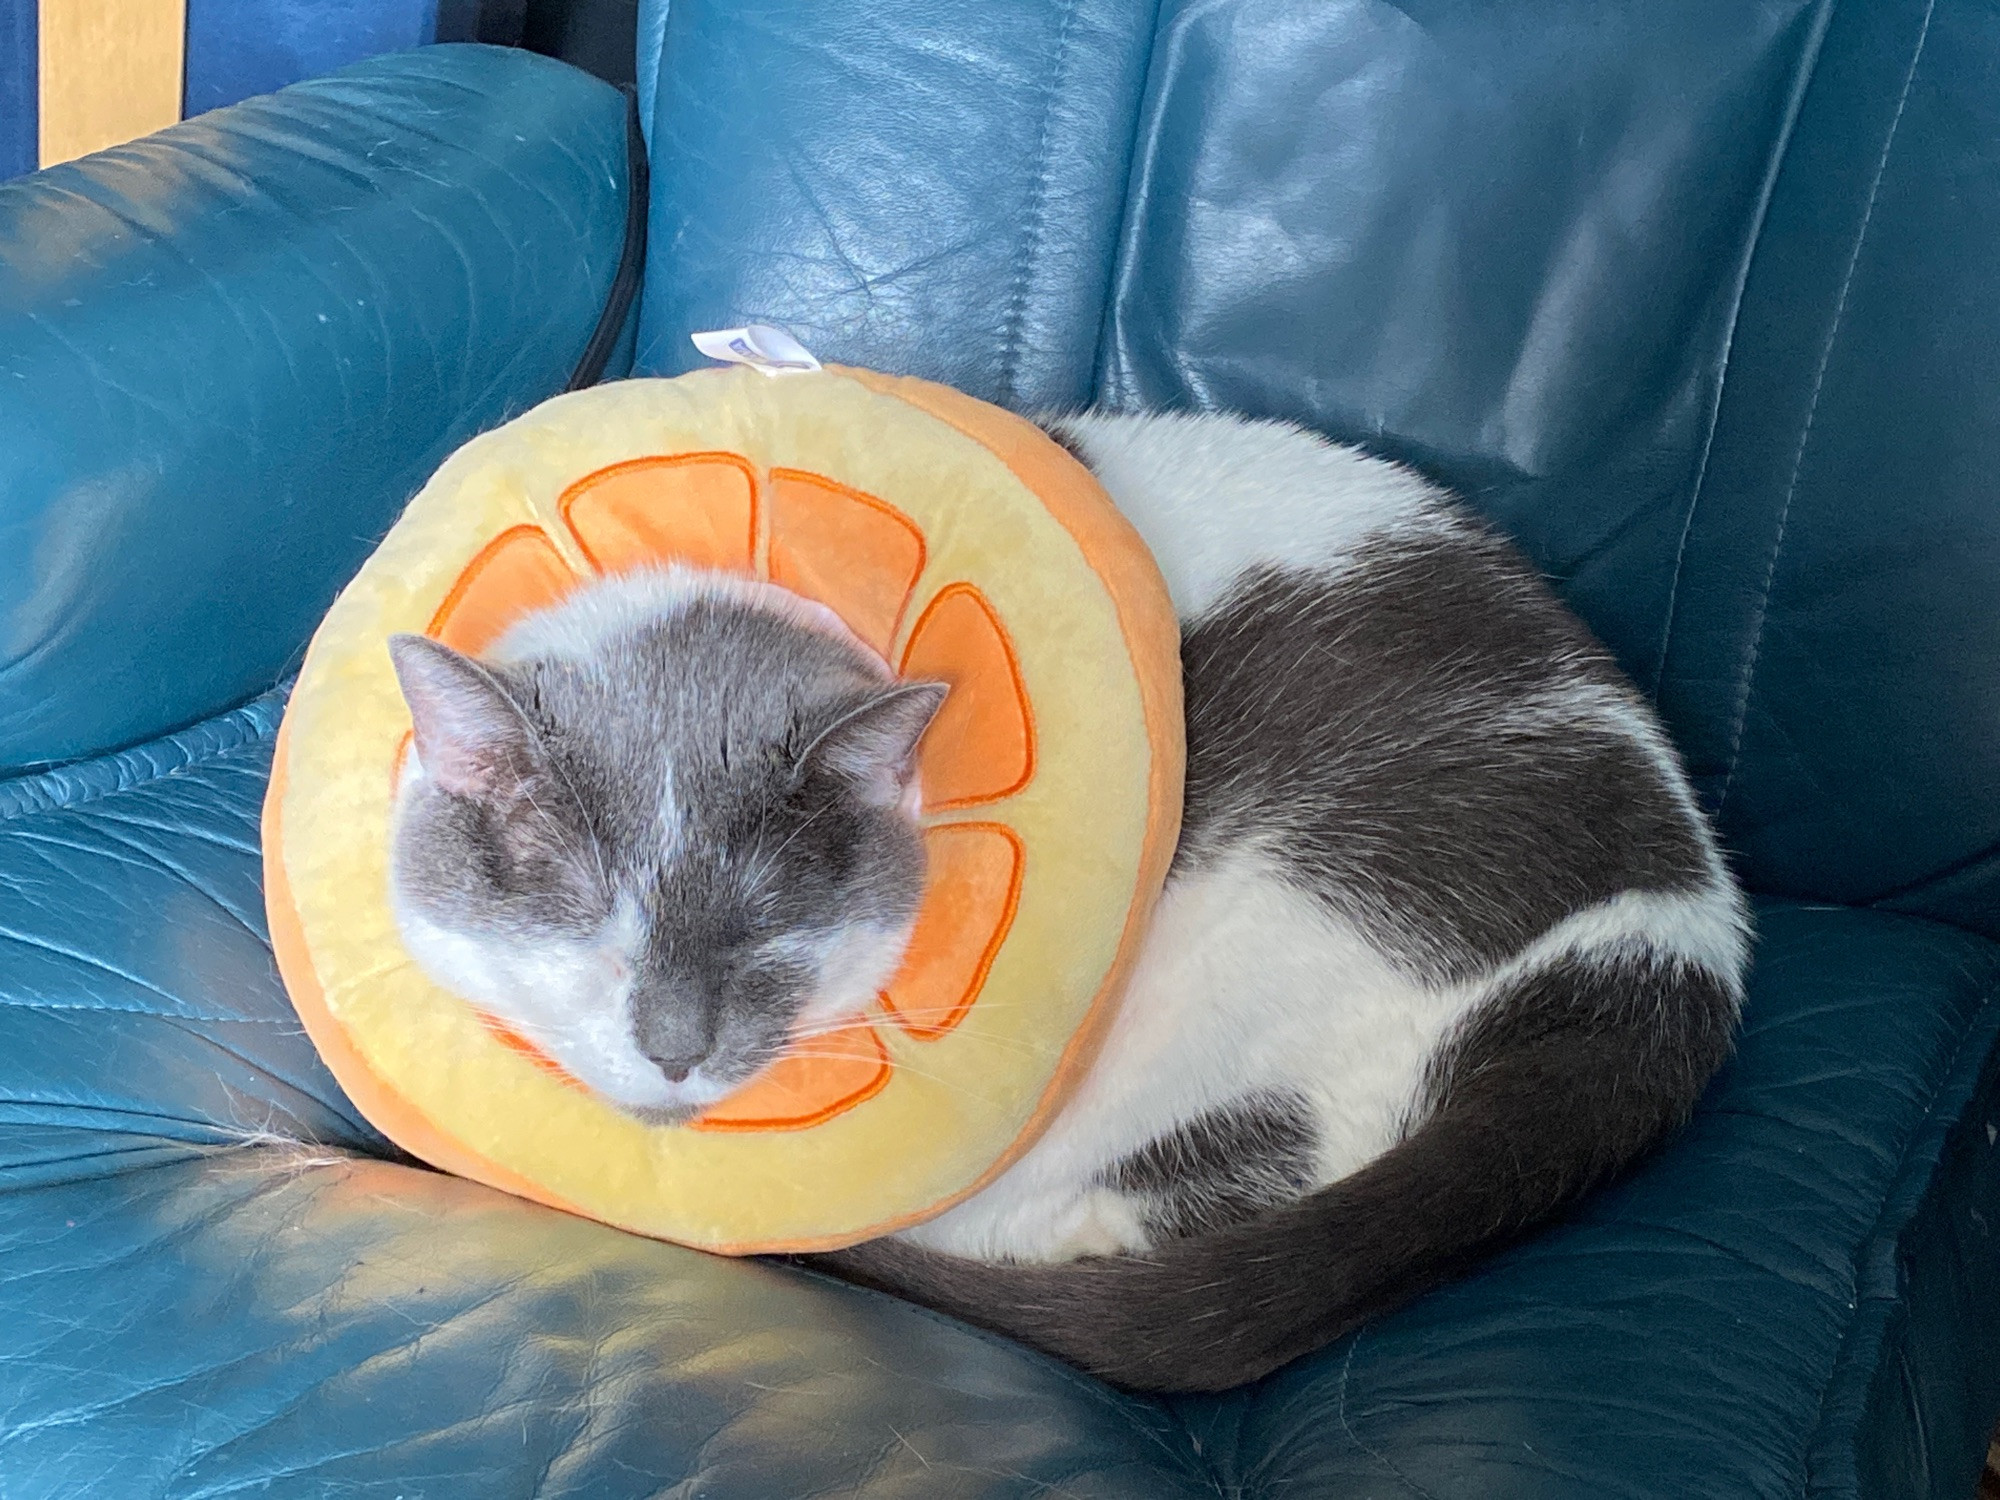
x=188 y=1308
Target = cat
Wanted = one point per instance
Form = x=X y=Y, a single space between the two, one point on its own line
x=1446 y=941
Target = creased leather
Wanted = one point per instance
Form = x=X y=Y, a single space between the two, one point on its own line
x=138 y=996
x=786 y=189
x=300 y=1324
x=1832 y=662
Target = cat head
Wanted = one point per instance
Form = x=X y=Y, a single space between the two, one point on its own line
x=661 y=829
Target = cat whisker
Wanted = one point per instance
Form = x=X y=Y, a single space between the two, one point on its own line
x=901 y=1065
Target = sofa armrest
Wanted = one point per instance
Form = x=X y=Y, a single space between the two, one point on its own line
x=230 y=352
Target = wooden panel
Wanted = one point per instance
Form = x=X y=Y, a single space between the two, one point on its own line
x=110 y=72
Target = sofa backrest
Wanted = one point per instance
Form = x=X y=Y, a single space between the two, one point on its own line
x=1701 y=301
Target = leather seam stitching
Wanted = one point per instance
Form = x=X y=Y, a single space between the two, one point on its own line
x=1740 y=713
x=1340 y=1410
x=1038 y=215
x=1777 y=167
x=1104 y=349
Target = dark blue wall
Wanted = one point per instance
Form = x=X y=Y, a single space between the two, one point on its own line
x=18 y=119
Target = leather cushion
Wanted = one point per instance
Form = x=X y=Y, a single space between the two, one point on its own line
x=1695 y=299
x=1832 y=665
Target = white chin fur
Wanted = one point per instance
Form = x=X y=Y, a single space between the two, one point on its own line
x=567 y=999
x=853 y=969
x=564 y=997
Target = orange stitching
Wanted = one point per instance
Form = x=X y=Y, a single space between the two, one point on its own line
x=575 y=492
x=1027 y=707
x=993 y=946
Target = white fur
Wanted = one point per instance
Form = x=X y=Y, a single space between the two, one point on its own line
x=626 y=603
x=1214 y=496
x=571 y=999
x=854 y=966
x=1244 y=984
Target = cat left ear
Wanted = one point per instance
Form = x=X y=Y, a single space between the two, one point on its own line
x=874 y=745
x=470 y=736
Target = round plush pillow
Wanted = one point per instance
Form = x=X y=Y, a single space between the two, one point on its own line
x=951 y=536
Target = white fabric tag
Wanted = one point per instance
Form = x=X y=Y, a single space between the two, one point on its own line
x=771 y=351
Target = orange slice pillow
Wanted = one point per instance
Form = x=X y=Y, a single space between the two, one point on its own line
x=951 y=536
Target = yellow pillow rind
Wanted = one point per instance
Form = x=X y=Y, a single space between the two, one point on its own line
x=957 y=1107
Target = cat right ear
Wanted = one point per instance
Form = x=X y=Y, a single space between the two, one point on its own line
x=873 y=744
x=469 y=734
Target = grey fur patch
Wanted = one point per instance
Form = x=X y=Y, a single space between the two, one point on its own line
x=1370 y=730
x=493 y=841
x=1223 y=1166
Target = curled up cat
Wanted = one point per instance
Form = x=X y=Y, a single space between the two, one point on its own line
x=1446 y=941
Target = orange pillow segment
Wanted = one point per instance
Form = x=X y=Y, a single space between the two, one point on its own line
x=981 y=746
x=693 y=508
x=820 y=1077
x=518 y=571
x=851 y=552
x=970 y=892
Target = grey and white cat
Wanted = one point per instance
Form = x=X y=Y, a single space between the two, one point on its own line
x=1446 y=941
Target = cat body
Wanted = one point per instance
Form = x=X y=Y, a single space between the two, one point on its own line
x=1413 y=780
x=1446 y=940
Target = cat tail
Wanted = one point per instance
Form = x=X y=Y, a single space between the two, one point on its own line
x=1552 y=1085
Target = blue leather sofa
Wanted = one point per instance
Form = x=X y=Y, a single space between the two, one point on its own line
x=1700 y=301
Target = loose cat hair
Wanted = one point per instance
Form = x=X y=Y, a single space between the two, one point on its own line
x=1446 y=941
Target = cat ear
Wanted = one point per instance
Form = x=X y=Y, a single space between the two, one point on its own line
x=874 y=744
x=470 y=736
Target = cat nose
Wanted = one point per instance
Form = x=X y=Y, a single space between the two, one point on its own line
x=676 y=1065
